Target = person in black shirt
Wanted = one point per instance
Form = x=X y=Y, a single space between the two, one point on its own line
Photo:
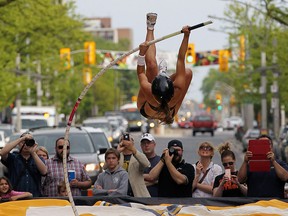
x=148 y=145
x=227 y=184
x=174 y=176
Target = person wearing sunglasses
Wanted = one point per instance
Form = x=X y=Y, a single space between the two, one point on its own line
x=205 y=171
x=227 y=184
x=55 y=174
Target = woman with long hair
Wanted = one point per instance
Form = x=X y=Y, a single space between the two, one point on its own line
x=160 y=96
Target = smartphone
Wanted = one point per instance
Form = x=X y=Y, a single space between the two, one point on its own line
x=126 y=136
x=228 y=173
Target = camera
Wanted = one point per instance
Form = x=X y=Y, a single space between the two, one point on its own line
x=173 y=151
x=126 y=136
x=29 y=142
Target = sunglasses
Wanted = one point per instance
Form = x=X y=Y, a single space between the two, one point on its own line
x=229 y=163
x=205 y=148
x=61 y=147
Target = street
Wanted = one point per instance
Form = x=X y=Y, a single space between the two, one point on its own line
x=190 y=143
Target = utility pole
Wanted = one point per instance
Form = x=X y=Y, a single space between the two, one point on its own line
x=18 y=98
x=263 y=92
x=28 y=72
x=275 y=95
x=38 y=84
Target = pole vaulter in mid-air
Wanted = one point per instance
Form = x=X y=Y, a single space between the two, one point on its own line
x=161 y=95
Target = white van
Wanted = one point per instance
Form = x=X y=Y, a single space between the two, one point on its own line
x=35 y=117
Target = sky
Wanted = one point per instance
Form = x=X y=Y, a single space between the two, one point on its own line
x=172 y=16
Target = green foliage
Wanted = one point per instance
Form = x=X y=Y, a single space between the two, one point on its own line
x=263 y=33
x=36 y=30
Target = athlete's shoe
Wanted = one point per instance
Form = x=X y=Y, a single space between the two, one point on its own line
x=162 y=66
x=151 y=20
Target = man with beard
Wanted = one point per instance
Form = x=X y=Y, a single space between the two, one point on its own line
x=25 y=168
x=174 y=176
x=55 y=174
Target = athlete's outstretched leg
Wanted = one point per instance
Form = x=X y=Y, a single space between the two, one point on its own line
x=150 y=57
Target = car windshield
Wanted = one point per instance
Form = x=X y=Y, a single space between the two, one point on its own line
x=80 y=142
x=33 y=123
x=99 y=140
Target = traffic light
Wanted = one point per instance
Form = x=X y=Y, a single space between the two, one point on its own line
x=65 y=58
x=223 y=60
x=190 y=54
x=242 y=48
x=242 y=52
x=219 y=101
x=90 y=53
x=87 y=75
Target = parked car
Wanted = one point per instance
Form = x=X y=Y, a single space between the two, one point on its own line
x=232 y=122
x=123 y=123
x=100 y=141
x=203 y=123
x=187 y=123
x=82 y=146
x=2 y=139
x=250 y=134
x=283 y=132
x=8 y=129
x=116 y=131
x=100 y=122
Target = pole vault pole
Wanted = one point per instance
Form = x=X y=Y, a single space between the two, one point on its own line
x=83 y=93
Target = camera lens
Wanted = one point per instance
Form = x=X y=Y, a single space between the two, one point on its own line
x=29 y=142
x=173 y=151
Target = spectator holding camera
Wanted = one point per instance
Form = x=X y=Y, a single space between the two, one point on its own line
x=227 y=184
x=134 y=162
x=174 y=175
x=205 y=171
x=25 y=168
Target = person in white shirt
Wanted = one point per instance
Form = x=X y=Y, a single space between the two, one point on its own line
x=205 y=171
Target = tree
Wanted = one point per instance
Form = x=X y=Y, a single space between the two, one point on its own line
x=261 y=29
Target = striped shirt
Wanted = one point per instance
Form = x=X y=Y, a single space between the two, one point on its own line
x=55 y=175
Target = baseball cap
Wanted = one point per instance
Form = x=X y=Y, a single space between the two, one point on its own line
x=175 y=143
x=147 y=136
